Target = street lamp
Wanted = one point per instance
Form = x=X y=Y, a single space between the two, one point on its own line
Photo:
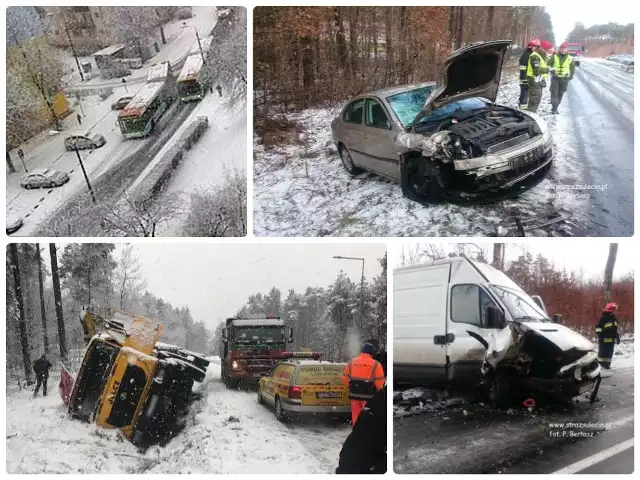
x=360 y=259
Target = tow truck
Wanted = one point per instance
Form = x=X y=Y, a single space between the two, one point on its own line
x=251 y=347
x=130 y=381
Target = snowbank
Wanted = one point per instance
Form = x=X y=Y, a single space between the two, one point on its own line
x=623 y=353
x=227 y=432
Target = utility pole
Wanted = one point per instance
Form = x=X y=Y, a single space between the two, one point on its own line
x=200 y=46
x=360 y=259
x=84 y=172
x=73 y=49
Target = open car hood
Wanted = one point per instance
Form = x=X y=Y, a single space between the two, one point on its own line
x=471 y=71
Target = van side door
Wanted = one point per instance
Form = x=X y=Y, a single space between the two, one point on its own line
x=468 y=330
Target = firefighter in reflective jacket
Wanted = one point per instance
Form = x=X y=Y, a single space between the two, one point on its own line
x=563 y=68
x=607 y=332
x=365 y=377
x=537 y=74
x=524 y=63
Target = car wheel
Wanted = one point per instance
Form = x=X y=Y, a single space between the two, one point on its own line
x=260 y=398
x=281 y=415
x=347 y=161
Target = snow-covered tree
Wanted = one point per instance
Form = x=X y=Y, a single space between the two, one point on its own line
x=87 y=271
x=128 y=281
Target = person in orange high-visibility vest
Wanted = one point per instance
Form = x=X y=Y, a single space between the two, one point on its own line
x=364 y=376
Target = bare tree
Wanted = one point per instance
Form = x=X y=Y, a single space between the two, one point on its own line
x=43 y=312
x=608 y=271
x=62 y=338
x=498 y=256
x=137 y=218
x=128 y=278
x=17 y=285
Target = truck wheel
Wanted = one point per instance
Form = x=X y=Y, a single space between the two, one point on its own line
x=500 y=391
x=280 y=413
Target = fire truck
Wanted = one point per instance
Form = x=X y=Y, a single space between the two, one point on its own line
x=576 y=50
x=251 y=347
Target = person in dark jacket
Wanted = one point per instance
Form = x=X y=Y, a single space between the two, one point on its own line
x=365 y=449
x=41 y=367
x=607 y=332
x=524 y=84
x=537 y=74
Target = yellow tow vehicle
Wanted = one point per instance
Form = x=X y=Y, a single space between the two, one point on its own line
x=303 y=384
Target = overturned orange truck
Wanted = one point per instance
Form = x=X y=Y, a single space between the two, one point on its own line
x=130 y=381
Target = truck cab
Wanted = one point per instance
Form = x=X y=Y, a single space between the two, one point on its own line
x=135 y=384
x=251 y=347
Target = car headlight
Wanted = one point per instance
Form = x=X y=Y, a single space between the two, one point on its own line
x=234 y=364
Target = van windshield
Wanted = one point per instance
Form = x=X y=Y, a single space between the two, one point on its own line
x=521 y=307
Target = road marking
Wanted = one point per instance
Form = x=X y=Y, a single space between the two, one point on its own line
x=595 y=459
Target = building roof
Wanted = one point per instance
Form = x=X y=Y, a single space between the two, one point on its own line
x=110 y=50
x=191 y=69
x=142 y=100
x=157 y=72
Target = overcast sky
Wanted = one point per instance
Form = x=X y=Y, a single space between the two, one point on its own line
x=564 y=15
x=214 y=281
x=573 y=254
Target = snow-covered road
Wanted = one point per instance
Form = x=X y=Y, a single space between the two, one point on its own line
x=593 y=138
x=227 y=432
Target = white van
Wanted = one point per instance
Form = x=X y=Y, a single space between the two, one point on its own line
x=457 y=320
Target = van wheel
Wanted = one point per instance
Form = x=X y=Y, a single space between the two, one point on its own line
x=280 y=413
x=500 y=391
x=347 y=161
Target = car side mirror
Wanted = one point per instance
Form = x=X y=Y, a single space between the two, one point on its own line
x=289 y=334
x=495 y=317
x=556 y=318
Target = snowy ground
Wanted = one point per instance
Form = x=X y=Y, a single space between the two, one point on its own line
x=227 y=433
x=593 y=139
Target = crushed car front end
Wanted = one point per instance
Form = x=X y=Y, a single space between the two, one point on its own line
x=532 y=364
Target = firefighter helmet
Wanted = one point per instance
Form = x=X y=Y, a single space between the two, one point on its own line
x=611 y=307
x=546 y=45
x=534 y=42
x=563 y=48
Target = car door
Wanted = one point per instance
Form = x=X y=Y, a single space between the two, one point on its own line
x=353 y=131
x=468 y=331
x=379 y=139
x=37 y=180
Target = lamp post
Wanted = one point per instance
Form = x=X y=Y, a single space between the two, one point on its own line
x=200 y=46
x=360 y=259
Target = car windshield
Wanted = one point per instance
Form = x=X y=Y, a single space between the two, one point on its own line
x=253 y=335
x=407 y=105
x=521 y=307
x=446 y=111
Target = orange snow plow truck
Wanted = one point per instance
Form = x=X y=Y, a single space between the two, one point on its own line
x=130 y=381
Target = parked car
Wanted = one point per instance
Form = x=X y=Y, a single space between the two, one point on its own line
x=297 y=387
x=44 y=178
x=457 y=321
x=447 y=141
x=84 y=142
x=121 y=103
x=13 y=224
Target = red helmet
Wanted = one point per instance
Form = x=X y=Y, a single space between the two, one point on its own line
x=534 y=42
x=611 y=307
x=546 y=45
x=563 y=48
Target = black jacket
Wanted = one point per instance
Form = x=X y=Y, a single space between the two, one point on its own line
x=382 y=358
x=41 y=366
x=365 y=449
x=607 y=327
x=524 y=63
